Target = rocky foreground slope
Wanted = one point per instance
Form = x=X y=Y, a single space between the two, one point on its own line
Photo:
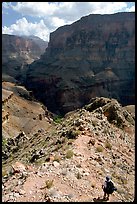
x=94 y=56
x=46 y=158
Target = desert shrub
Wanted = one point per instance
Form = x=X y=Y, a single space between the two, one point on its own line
x=72 y=134
x=99 y=148
x=49 y=184
x=105 y=131
x=4 y=172
x=100 y=173
x=123 y=180
x=94 y=122
x=69 y=154
x=57 y=119
x=120 y=179
x=108 y=145
x=4 y=142
x=70 y=141
x=57 y=158
x=78 y=176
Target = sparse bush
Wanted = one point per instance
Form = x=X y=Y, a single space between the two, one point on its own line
x=49 y=184
x=105 y=131
x=66 y=146
x=123 y=180
x=58 y=146
x=57 y=158
x=57 y=119
x=4 y=142
x=108 y=145
x=100 y=173
x=78 y=176
x=4 y=173
x=70 y=142
x=120 y=179
x=94 y=122
x=69 y=154
x=72 y=134
x=99 y=148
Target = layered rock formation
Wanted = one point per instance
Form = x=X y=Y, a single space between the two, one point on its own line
x=17 y=53
x=92 y=57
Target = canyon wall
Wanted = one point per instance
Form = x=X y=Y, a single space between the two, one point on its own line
x=94 y=56
x=18 y=52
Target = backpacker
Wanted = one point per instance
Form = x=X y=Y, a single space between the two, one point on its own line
x=110 y=187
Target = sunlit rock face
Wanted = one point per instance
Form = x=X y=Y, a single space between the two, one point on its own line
x=18 y=52
x=94 y=56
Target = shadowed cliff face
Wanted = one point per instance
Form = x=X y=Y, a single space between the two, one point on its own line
x=91 y=57
x=17 y=52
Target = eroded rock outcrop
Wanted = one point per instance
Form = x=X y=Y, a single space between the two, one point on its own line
x=92 y=57
x=69 y=161
x=17 y=53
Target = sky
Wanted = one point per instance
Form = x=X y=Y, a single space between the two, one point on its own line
x=42 y=18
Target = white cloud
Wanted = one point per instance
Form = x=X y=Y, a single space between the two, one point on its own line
x=131 y=9
x=54 y=22
x=23 y=27
x=38 y=9
x=56 y=14
x=67 y=10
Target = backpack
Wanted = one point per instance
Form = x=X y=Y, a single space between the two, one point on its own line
x=110 y=187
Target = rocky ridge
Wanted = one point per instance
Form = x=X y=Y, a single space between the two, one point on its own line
x=67 y=159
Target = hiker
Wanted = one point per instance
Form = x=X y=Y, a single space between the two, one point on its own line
x=108 y=187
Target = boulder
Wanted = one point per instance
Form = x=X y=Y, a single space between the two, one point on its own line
x=18 y=167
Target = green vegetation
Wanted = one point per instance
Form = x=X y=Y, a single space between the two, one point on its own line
x=99 y=148
x=4 y=142
x=49 y=184
x=108 y=145
x=57 y=119
x=57 y=158
x=4 y=172
x=94 y=122
x=120 y=179
x=69 y=154
x=105 y=131
x=72 y=134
